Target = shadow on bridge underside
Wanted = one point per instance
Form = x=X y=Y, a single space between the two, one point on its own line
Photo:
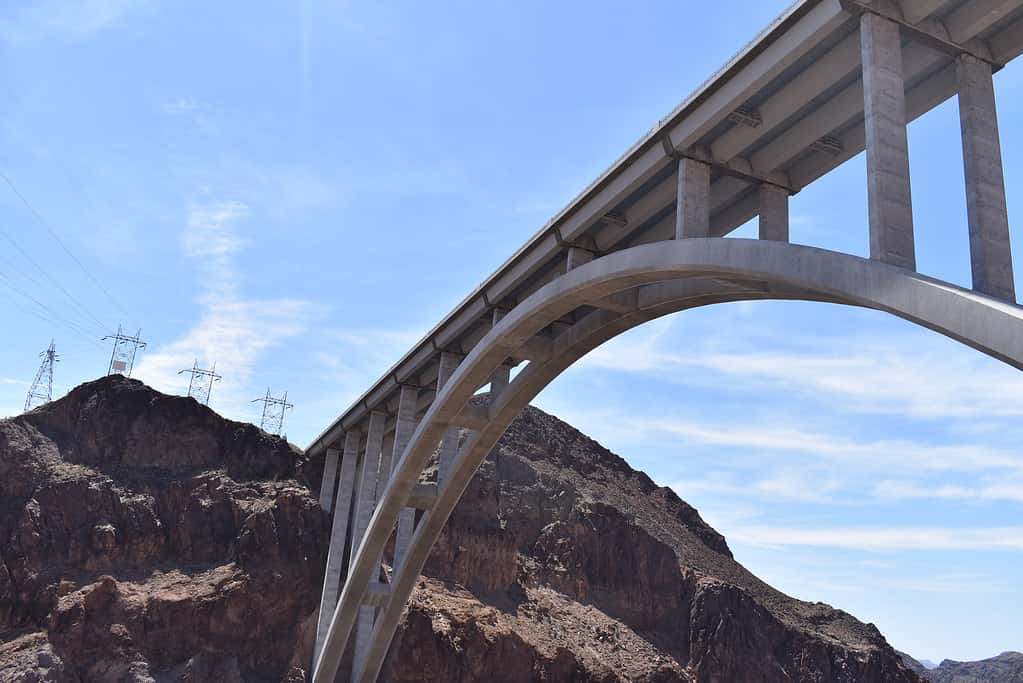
x=620 y=291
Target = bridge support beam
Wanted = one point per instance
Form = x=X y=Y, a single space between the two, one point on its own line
x=774 y=213
x=449 y=443
x=988 y=218
x=404 y=426
x=338 y=532
x=692 y=211
x=366 y=503
x=329 y=475
x=499 y=380
x=884 y=108
x=577 y=257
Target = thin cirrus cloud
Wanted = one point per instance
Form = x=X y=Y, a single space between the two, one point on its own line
x=1002 y=488
x=762 y=442
x=881 y=539
x=82 y=19
x=895 y=374
x=229 y=325
x=874 y=454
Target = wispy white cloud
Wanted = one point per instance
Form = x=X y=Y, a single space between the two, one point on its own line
x=895 y=375
x=74 y=18
x=877 y=454
x=10 y=380
x=946 y=583
x=358 y=357
x=232 y=329
x=889 y=539
x=1005 y=489
x=182 y=105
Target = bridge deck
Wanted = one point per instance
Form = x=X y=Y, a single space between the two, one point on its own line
x=785 y=111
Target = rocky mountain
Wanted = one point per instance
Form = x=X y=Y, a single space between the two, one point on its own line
x=144 y=538
x=1005 y=668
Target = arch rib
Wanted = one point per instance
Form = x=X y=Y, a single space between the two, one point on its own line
x=668 y=277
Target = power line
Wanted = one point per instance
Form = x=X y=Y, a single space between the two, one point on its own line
x=54 y=316
x=17 y=272
x=52 y=280
x=74 y=314
x=42 y=221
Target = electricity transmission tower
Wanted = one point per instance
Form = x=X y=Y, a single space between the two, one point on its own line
x=42 y=386
x=201 y=383
x=122 y=358
x=273 y=412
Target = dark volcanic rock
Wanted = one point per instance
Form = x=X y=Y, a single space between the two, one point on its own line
x=562 y=563
x=1005 y=668
x=144 y=538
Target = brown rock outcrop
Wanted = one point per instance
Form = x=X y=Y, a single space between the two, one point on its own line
x=144 y=538
x=1004 y=668
x=562 y=563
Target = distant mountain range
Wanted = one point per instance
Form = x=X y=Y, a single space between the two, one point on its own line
x=1005 y=668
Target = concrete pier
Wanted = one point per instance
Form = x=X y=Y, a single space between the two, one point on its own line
x=449 y=443
x=577 y=257
x=499 y=380
x=692 y=212
x=368 y=483
x=329 y=477
x=366 y=503
x=889 y=199
x=774 y=213
x=988 y=218
x=338 y=537
x=404 y=426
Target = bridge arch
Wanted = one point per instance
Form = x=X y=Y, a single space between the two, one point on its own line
x=620 y=291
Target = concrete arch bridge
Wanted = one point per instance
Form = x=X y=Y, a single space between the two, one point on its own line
x=827 y=80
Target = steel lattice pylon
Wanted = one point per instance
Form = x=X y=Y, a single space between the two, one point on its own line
x=122 y=358
x=201 y=382
x=41 y=391
x=273 y=412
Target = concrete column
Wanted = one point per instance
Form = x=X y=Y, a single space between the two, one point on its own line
x=774 y=213
x=338 y=534
x=502 y=376
x=386 y=462
x=985 y=184
x=499 y=380
x=577 y=257
x=692 y=211
x=368 y=482
x=889 y=197
x=449 y=443
x=404 y=426
x=363 y=636
x=366 y=503
x=329 y=476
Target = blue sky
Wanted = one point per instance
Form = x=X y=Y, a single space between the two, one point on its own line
x=298 y=191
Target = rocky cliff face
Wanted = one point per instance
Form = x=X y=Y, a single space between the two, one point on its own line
x=562 y=563
x=143 y=538
x=1005 y=668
